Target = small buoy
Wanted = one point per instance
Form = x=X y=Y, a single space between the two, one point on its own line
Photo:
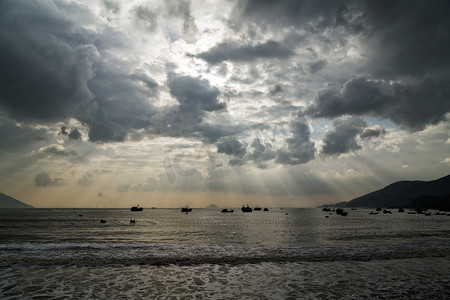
x=132 y=221
x=286 y=214
x=102 y=221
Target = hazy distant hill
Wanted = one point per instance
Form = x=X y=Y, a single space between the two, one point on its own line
x=9 y=202
x=212 y=206
x=401 y=193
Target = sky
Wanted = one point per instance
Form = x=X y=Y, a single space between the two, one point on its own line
x=290 y=103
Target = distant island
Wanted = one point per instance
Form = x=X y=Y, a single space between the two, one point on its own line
x=9 y=202
x=212 y=206
x=433 y=194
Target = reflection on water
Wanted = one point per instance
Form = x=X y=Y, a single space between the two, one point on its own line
x=280 y=254
x=202 y=226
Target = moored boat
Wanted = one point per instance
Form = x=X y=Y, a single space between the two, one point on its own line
x=137 y=208
x=226 y=210
x=186 y=209
x=246 y=208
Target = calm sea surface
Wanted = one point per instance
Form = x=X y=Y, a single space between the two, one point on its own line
x=206 y=254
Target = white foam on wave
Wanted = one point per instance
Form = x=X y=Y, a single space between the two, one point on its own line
x=425 y=278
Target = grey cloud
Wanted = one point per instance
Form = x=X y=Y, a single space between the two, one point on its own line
x=44 y=69
x=194 y=94
x=181 y=8
x=57 y=150
x=412 y=106
x=416 y=45
x=261 y=153
x=232 y=147
x=211 y=131
x=277 y=89
x=315 y=15
x=112 y=5
x=63 y=131
x=53 y=68
x=43 y=179
x=198 y=112
x=236 y=162
x=231 y=51
x=146 y=18
x=372 y=132
x=342 y=139
x=14 y=136
x=316 y=66
x=121 y=104
x=75 y=135
x=299 y=149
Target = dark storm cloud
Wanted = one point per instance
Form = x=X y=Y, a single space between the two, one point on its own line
x=43 y=179
x=75 y=135
x=411 y=106
x=342 y=139
x=403 y=41
x=231 y=51
x=52 y=69
x=372 y=132
x=121 y=103
x=299 y=149
x=194 y=95
x=403 y=38
x=407 y=38
x=43 y=67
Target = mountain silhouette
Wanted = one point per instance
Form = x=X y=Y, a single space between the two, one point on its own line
x=9 y=202
x=401 y=193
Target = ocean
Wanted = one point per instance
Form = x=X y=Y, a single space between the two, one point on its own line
x=206 y=254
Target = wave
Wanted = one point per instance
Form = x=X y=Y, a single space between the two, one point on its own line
x=128 y=254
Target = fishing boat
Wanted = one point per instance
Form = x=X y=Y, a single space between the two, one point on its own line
x=246 y=208
x=137 y=208
x=186 y=209
x=257 y=208
x=226 y=210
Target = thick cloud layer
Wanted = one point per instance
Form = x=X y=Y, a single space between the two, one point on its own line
x=183 y=96
x=299 y=149
x=411 y=106
x=342 y=139
x=53 y=69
